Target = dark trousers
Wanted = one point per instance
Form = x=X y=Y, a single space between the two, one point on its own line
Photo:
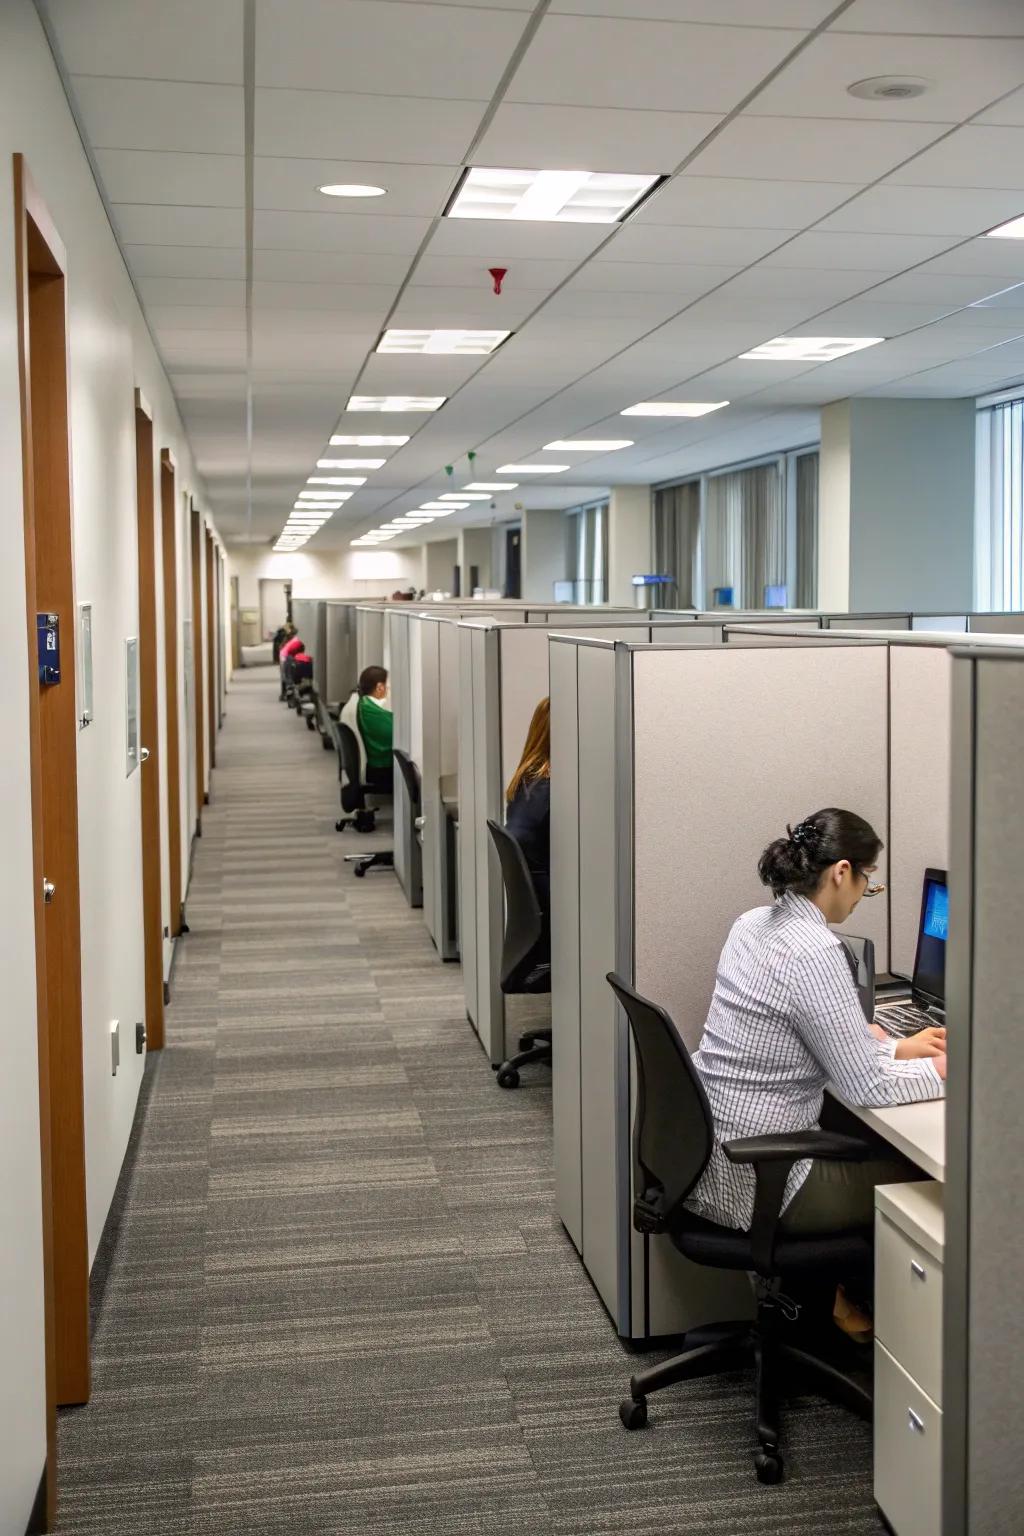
x=381 y=778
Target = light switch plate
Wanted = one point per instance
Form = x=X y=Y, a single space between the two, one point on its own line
x=115 y=1046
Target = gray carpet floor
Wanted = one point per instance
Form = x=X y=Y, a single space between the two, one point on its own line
x=338 y=1299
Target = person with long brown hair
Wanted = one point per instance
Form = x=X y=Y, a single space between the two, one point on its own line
x=528 y=797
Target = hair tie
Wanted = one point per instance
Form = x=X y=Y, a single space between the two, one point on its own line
x=804 y=835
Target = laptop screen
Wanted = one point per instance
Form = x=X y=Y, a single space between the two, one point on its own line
x=930 y=964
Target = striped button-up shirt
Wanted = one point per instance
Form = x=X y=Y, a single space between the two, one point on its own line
x=785 y=1019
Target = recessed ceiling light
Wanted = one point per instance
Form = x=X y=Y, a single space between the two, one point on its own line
x=336 y=480
x=308 y=506
x=442 y=511
x=589 y=445
x=465 y=343
x=492 y=485
x=351 y=189
x=531 y=469
x=673 y=408
x=574 y=197
x=466 y=496
x=1014 y=230
x=351 y=464
x=889 y=87
x=442 y=506
x=808 y=349
x=367 y=440
x=324 y=495
x=396 y=402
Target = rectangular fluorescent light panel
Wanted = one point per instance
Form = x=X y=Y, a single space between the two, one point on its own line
x=673 y=408
x=1014 y=230
x=565 y=197
x=589 y=445
x=395 y=403
x=492 y=485
x=443 y=506
x=351 y=464
x=368 y=440
x=531 y=469
x=462 y=343
x=466 y=496
x=336 y=480
x=442 y=511
x=808 y=349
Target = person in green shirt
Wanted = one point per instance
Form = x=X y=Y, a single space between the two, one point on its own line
x=376 y=727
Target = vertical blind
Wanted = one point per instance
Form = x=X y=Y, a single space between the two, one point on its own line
x=588 y=553
x=999 y=508
x=806 y=593
x=745 y=532
x=677 y=540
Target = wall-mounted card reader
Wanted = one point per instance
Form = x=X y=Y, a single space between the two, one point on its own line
x=48 y=639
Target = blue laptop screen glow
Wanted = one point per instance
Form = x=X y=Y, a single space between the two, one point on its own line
x=936 y=912
x=930 y=966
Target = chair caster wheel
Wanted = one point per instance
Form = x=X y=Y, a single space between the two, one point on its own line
x=633 y=1412
x=508 y=1077
x=768 y=1466
x=339 y=826
x=360 y=872
x=326 y=743
x=310 y=724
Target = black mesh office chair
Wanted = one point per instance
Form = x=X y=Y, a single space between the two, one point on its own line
x=525 y=951
x=413 y=789
x=672 y=1140
x=323 y=721
x=354 y=794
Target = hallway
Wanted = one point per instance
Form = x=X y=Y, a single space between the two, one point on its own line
x=339 y=1299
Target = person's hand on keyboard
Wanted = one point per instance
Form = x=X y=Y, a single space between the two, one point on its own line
x=927 y=1042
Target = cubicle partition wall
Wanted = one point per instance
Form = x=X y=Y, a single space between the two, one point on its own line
x=370 y=643
x=672 y=768
x=310 y=619
x=341 y=672
x=983 y=1315
x=439 y=686
x=399 y=640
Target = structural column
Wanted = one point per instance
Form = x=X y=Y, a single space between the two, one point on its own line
x=545 y=553
x=896 y=506
x=629 y=540
x=474 y=554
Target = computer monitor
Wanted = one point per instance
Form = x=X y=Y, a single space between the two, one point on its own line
x=723 y=596
x=775 y=597
x=929 y=983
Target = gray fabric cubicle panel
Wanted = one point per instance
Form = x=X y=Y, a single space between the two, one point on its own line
x=415 y=632
x=489 y=797
x=304 y=618
x=566 y=831
x=340 y=678
x=730 y=744
x=467 y=825
x=983 y=1366
x=401 y=681
x=369 y=638
x=996 y=623
x=430 y=773
x=883 y=621
x=939 y=623
x=919 y=767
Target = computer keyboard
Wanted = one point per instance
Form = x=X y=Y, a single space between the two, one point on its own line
x=903 y=1019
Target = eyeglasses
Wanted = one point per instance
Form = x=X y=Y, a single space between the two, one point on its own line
x=870 y=888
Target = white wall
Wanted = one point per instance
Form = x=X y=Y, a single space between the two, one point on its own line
x=544 y=558
x=110 y=355
x=834 y=508
x=329 y=573
x=474 y=549
x=629 y=539
x=437 y=567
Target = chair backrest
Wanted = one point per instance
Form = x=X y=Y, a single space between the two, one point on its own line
x=411 y=775
x=524 y=922
x=673 y=1132
x=350 y=717
x=348 y=749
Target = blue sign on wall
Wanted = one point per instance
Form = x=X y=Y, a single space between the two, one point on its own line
x=48 y=637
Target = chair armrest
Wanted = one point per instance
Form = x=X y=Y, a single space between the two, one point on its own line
x=772 y=1158
x=334 y=710
x=792 y=1146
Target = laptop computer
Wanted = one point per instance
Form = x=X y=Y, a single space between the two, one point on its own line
x=927 y=1003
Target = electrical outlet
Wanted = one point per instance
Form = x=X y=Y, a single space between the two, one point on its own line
x=115 y=1046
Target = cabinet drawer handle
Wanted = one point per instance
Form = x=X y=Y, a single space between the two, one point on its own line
x=915 y=1421
x=918 y=1270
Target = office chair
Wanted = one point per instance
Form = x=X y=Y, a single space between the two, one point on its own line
x=673 y=1134
x=322 y=721
x=525 y=951
x=354 y=794
x=413 y=789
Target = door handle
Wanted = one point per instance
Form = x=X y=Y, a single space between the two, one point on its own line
x=49 y=891
x=143 y=754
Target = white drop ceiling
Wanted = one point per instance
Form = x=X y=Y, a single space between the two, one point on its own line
x=791 y=208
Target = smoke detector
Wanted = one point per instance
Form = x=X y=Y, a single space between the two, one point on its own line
x=889 y=87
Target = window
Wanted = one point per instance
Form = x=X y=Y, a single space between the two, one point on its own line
x=588 y=553
x=999 y=509
x=676 y=542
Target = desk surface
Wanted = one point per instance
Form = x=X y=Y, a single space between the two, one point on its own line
x=916 y=1130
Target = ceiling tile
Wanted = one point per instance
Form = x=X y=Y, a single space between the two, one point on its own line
x=965 y=76
x=939 y=18
x=425 y=306
x=196 y=317
x=789 y=149
x=828 y=287
x=821 y=252
x=927 y=286
x=394 y=50
x=688 y=282
x=338 y=267
x=970 y=157
x=420 y=189
x=705 y=246
x=735 y=203
x=150 y=176
x=189 y=40
x=733 y=13
x=185 y=261
x=894 y=209
x=561 y=138
x=500 y=242
x=190 y=291
x=316 y=124
x=358 y=234
x=202 y=349
x=587 y=61
x=991 y=258
x=325 y=298
x=527 y=273
x=1009 y=111
x=159 y=224
x=160 y=114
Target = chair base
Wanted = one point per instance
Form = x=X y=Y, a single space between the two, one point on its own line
x=535 y=1045
x=730 y=1347
x=362 y=821
x=365 y=861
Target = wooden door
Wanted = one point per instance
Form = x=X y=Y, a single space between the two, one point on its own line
x=149 y=727
x=196 y=531
x=40 y=269
x=172 y=733
x=211 y=647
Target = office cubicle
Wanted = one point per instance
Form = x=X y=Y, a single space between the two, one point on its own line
x=310 y=620
x=371 y=647
x=983 y=1317
x=678 y=766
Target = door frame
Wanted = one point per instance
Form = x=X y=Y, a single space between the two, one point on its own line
x=172 y=718
x=211 y=649
x=149 y=727
x=195 y=529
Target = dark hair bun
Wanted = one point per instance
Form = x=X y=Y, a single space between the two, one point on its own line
x=797 y=861
x=785 y=865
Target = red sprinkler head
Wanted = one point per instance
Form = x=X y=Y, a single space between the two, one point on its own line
x=498 y=274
